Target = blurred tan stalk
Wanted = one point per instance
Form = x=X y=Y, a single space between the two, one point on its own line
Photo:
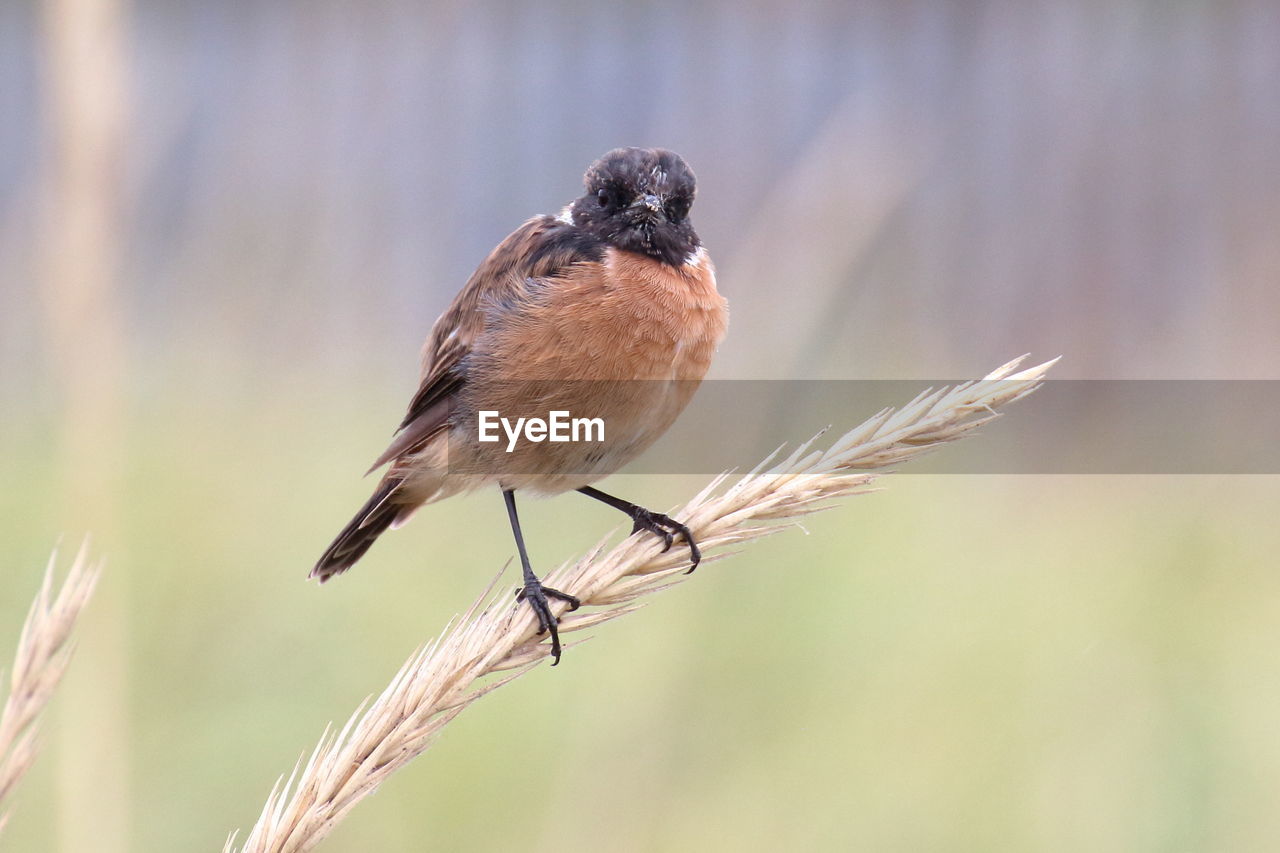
x=497 y=634
x=44 y=649
x=85 y=106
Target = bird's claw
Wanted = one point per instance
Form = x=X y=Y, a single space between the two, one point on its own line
x=666 y=528
x=537 y=596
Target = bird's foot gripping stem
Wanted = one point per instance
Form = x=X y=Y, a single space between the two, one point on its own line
x=665 y=528
x=538 y=597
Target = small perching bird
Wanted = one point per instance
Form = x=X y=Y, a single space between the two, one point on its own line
x=608 y=311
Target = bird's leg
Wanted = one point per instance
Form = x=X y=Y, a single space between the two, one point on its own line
x=663 y=526
x=533 y=591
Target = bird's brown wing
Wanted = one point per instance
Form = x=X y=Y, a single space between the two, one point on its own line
x=540 y=248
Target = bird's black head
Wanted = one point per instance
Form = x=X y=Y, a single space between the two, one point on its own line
x=638 y=199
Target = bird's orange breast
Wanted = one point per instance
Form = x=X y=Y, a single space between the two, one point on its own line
x=626 y=317
x=626 y=339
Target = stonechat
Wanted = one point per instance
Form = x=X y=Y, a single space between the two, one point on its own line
x=609 y=310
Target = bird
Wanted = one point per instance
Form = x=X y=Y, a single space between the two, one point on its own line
x=609 y=309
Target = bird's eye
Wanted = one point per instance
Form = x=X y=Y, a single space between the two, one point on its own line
x=612 y=197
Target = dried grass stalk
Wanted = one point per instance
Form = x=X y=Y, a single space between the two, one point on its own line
x=498 y=635
x=44 y=649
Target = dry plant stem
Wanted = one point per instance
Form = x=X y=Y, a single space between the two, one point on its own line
x=498 y=635
x=44 y=649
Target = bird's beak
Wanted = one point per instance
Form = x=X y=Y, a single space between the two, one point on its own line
x=650 y=204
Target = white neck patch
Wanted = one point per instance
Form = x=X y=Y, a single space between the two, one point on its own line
x=697 y=257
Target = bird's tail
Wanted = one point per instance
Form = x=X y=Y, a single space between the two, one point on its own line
x=379 y=512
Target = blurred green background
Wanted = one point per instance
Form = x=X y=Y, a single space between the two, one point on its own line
x=225 y=229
